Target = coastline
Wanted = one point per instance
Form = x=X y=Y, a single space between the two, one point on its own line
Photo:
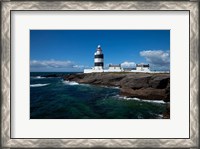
x=132 y=85
x=139 y=82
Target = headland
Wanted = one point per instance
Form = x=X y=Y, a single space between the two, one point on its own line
x=151 y=86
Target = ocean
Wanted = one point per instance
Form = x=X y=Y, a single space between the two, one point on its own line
x=54 y=98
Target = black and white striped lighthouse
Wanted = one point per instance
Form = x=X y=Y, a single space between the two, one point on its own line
x=98 y=59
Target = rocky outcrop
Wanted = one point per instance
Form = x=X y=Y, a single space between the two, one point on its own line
x=166 y=114
x=140 y=85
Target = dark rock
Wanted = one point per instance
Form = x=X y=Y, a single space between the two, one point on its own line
x=141 y=85
x=144 y=93
x=167 y=93
x=166 y=114
x=159 y=82
x=135 y=82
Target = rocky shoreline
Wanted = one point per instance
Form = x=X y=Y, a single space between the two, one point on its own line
x=140 y=85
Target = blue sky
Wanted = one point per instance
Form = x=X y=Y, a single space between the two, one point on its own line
x=73 y=50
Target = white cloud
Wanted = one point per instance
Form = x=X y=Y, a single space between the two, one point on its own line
x=51 y=64
x=127 y=64
x=158 y=59
x=54 y=65
x=80 y=66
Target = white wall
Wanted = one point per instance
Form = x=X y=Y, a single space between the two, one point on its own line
x=98 y=68
x=114 y=68
x=92 y=70
x=142 y=69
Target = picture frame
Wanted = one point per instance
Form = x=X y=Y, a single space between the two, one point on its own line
x=7 y=7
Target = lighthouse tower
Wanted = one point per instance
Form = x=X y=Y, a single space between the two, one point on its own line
x=98 y=59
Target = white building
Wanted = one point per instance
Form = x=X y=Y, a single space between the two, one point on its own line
x=115 y=68
x=142 y=68
x=92 y=70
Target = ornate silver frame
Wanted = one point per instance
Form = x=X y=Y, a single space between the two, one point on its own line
x=7 y=6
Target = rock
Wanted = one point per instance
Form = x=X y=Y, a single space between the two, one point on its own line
x=167 y=93
x=166 y=114
x=144 y=93
x=140 y=85
x=159 y=82
x=73 y=77
x=135 y=82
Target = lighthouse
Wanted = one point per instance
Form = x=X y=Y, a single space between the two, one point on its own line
x=98 y=59
x=99 y=65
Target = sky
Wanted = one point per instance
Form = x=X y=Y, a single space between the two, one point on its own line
x=73 y=50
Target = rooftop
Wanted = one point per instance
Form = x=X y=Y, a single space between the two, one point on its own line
x=111 y=65
x=142 y=65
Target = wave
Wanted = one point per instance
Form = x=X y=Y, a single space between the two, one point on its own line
x=113 y=87
x=38 y=85
x=70 y=83
x=154 y=101
x=38 y=77
x=138 y=99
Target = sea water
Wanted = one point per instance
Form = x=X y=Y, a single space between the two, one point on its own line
x=54 y=98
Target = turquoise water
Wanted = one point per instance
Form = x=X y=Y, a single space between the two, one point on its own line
x=54 y=98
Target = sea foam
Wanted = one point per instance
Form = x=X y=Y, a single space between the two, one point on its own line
x=37 y=77
x=70 y=83
x=138 y=99
x=38 y=85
